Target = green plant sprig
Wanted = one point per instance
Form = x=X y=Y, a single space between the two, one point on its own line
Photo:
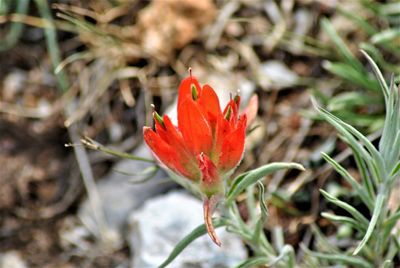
x=379 y=169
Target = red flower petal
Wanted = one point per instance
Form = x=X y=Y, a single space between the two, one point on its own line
x=177 y=142
x=194 y=127
x=185 y=89
x=210 y=104
x=233 y=146
x=233 y=113
x=222 y=129
x=164 y=152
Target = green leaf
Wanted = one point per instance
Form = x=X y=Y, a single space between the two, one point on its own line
x=287 y=251
x=321 y=242
x=360 y=21
x=385 y=36
x=346 y=175
x=350 y=209
x=347 y=72
x=243 y=181
x=261 y=199
x=366 y=149
x=344 y=220
x=196 y=233
x=396 y=169
x=351 y=100
x=376 y=54
x=375 y=216
x=341 y=258
x=342 y=48
x=389 y=224
x=253 y=262
x=365 y=177
x=387 y=264
x=378 y=74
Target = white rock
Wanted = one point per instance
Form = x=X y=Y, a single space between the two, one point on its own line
x=13 y=84
x=277 y=75
x=162 y=222
x=11 y=259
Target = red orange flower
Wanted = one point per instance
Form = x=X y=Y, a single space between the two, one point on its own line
x=207 y=143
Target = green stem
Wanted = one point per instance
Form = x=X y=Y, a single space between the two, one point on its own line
x=16 y=27
x=52 y=45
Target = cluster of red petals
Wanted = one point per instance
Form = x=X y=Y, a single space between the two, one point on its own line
x=207 y=142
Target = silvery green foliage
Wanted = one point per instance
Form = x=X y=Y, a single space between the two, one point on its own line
x=379 y=168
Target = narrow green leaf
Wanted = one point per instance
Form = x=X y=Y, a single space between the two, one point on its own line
x=387 y=264
x=394 y=155
x=385 y=36
x=258 y=229
x=351 y=100
x=376 y=54
x=390 y=126
x=350 y=209
x=286 y=252
x=350 y=139
x=342 y=48
x=375 y=216
x=365 y=177
x=242 y=182
x=389 y=8
x=338 y=258
x=389 y=224
x=253 y=262
x=360 y=21
x=196 y=233
x=16 y=29
x=378 y=74
x=321 y=242
x=261 y=199
x=377 y=166
x=368 y=145
x=347 y=72
x=251 y=204
x=237 y=180
x=343 y=219
x=396 y=169
x=346 y=175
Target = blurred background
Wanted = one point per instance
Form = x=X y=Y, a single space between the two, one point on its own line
x=77 y=80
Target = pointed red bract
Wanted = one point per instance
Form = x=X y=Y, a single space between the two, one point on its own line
x=164 y=152
x=194 y=126
x=210 y=105
x=233 y=146
x=185 y=89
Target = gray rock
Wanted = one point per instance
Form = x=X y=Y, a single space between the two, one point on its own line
x=119 y=197
x=163 y=221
